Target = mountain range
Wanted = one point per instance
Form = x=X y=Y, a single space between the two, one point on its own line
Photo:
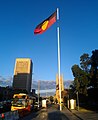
x=43 y=84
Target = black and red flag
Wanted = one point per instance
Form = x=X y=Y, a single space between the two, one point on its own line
x=43 y=26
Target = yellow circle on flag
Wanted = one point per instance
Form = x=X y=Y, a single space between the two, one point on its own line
x=44 y=26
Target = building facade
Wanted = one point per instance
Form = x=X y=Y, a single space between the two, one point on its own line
x=23 y=74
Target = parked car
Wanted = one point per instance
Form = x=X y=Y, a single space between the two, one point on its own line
x=1 y=107
x=36 y=106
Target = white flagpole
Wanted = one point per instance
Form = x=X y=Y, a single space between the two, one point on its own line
x=58 y=36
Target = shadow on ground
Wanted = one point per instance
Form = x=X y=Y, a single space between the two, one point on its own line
x=91 y=107
x=56 y=115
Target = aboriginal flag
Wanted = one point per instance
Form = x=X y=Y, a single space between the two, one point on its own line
x=43 y=26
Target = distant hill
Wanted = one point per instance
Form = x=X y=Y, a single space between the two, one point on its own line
x=44 y=84
x=49 y=84
x=6 y=81
x=47 y=87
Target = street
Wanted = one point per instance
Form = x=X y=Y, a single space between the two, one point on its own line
x=50 y=113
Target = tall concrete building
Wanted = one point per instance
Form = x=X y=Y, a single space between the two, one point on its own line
x=23 y=74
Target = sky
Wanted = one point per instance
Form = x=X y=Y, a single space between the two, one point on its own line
x=78 y=35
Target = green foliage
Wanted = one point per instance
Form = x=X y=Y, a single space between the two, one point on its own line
x=94 y=69
x=85 y=62
x=85 y=75
x=81 y=74
x=51 y=98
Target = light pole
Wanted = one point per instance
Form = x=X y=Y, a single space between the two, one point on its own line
x=77 y=100
x=38 y=92
x=68 y=98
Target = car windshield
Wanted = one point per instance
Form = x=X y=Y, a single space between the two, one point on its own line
x=19 y=102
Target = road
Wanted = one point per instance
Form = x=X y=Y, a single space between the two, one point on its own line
x=50 y=113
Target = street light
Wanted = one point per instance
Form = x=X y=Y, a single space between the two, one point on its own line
x=77 y=99
x=38 y=92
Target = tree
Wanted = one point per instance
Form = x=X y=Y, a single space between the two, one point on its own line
x=64 y=95
x=94 y=69
x=86 y=76
x=76 y=73
x=80 y=79
x=51 y=99
x=85 y=62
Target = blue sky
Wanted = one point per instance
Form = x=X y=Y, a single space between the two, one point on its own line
x=78 y=35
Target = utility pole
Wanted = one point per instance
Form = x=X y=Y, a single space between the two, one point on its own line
x=68 y=98
x=38 y=92
x=78 y=100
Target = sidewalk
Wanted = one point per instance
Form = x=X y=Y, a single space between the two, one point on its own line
x=65 y=114
x=70 y=115
x=84 y=114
